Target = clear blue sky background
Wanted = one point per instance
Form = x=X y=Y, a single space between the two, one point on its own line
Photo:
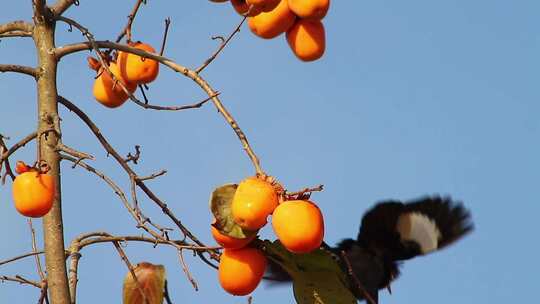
x=411 y=98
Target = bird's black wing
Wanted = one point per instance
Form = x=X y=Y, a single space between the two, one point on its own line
x=400 y=231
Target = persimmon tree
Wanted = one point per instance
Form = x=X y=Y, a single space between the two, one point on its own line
x=58 y=275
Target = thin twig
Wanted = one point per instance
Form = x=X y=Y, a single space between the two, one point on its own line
x=72 y=48
x=131 y=18
x=152 y=176
x=131 y=270
x=20 y=279
x=221 y=47
x=34 y=250
x=304 y=191
x=18 y=69
x=61 y=6
x=186 y=270
x=19 y=257
x=166 y=293
x=111 y=151
x=164 y=41
x=17 y=25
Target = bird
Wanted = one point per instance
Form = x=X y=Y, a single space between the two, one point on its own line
x=392 y=232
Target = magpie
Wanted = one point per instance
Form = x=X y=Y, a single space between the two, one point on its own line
x=392 y=232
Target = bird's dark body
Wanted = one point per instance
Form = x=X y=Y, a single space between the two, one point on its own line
x=392 y=232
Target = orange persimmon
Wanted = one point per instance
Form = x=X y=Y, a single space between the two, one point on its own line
x=272 y=24
x=109 y=93
x=241 y=7
x=230 y=242
x=241 y=270
x=309 y=9
x=307 y=40
x=33 y=193
x=254 y=200
x=298 y=225
x=137 y=69
x=264 y=5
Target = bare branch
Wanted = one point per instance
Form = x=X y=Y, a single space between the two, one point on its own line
x=34 y=250
x=80 y=155
x=61 y=6
x=134 y=158
x=164 y=41
x=21 y=280
x=131 y=270
x=68 y=49
x=221 y=47
x=18 y=69
x=186 y=270
x=16 y=26
x=131 y=18
x=4 y=156
x=22 y=256
x=127 y=168
x=152 y=176
x=18 y=145
x=16 y=34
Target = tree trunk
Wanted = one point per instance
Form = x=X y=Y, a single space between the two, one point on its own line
x=48 y=136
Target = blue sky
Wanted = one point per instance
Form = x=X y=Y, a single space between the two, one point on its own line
x=411 y=98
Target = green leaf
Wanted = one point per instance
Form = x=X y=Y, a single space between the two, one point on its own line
x=151 y=279
x=317 y=277
x=220 y=205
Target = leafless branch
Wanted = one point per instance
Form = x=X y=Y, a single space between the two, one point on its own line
x=166 y=32
x=14 y=26
x=221 y=47
x=61 y=6
x=4 y=156
x=186 y=270
x=18 y=69
x=16 y=34
x=68 y=49
x=111 y=151
x=131 y=18
x=304 y=191
x=34 y=250
x=19 y=257
x=134 y=157
x=152 y=176
x=79 y=155
x=21 y=280
x=131 y=269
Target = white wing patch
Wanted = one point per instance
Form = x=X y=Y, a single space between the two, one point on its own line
x=419 y=228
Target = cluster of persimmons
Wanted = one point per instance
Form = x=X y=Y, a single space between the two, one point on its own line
x=129 y=69
x=301 y=20
x=297 y=223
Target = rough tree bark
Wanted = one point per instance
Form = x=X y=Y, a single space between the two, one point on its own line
x=48 y=137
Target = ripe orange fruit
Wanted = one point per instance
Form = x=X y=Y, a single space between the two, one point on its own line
x=254 y=200
x=298 y=225
x=241 y=270
x=109 y=93
x=264 y=5
x=33 y=193
x=241 y=7
x=307 y=39
x=138 y=69
x=272 y=24
x=309 y=9
x=230 y=242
